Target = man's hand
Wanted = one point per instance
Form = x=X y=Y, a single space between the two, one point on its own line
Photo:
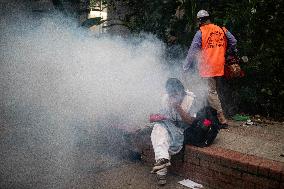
x=177 y=106
x=183 y=114
x=175 y=101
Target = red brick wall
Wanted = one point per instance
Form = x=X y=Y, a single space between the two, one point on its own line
x=225 y=169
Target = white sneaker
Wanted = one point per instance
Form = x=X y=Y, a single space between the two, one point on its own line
x=160 y=164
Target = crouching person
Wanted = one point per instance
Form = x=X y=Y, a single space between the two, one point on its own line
x=167 y=135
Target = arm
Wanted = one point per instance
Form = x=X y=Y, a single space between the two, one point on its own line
x=232 y=43
x=184 y=115
x=193 y=50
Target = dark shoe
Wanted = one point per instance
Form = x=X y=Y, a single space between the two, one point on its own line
x=224 y=126
x=160 y=164
x=222 y=118
x=162 y=180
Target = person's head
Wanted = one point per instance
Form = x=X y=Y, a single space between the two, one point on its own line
x=202 y=17
x=175 y=89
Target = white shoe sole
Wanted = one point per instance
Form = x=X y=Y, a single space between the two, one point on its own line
x=157 y=168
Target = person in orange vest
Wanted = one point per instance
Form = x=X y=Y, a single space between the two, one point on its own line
x=208 y=50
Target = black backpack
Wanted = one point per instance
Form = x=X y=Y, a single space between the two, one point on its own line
x=200 y=135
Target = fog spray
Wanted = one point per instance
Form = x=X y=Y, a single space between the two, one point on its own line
x=63 y=90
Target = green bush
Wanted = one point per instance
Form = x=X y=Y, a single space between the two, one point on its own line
x=258 y=28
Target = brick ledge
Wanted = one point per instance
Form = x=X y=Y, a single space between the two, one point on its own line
x=222 y=168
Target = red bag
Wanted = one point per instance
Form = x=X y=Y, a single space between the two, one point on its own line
x=156 y=117
x=232 y=68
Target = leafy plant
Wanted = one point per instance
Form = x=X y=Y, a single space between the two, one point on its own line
x=257 y=25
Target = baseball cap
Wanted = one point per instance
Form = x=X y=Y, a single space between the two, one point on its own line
x=202 y=13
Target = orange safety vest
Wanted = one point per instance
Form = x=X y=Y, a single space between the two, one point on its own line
x=212 y=57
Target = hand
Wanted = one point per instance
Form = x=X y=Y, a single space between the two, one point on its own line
x=174 y=100
x=177 y=106
x=236 y=70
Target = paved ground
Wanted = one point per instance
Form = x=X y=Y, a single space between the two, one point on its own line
x=134 y=175
x=263 y=139
x=78 y=156
x=28 y=160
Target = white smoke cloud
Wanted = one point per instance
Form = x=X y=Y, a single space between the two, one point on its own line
x=57 y=68
x=62 y=90
x=62 y=87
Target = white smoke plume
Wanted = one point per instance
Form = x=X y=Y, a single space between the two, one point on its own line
x=68 y=73
x=62 y=91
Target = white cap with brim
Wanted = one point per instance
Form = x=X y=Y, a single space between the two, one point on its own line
x=202 y=13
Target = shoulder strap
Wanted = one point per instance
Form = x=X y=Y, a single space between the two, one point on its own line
x=224 y=33
x=225 y=36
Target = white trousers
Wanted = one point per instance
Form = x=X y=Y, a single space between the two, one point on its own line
x=160 y=141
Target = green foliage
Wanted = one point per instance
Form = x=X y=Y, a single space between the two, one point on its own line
x=257 y=25
x=259 y=32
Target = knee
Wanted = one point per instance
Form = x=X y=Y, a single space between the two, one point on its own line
x=158 y=129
